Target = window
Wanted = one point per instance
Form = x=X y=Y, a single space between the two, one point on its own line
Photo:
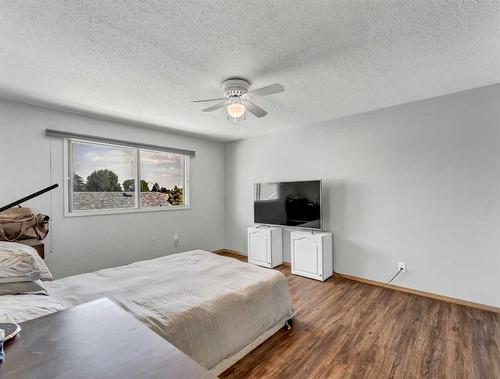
x=106 y=178
x=267 y=191
x=162 y=178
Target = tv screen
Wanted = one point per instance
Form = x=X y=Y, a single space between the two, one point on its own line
x=295 y=204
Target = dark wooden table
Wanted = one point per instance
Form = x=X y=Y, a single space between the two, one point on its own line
x=94 y=340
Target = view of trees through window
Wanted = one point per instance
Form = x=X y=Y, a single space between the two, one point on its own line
x=166 y=173
x=104 y=177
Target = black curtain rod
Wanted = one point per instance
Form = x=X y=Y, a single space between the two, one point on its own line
x=29 y=197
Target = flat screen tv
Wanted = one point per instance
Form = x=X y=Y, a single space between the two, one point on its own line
x=295 y=204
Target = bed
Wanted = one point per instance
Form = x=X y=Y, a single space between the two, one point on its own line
x=214 y=308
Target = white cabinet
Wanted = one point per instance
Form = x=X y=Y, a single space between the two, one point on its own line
x=312 y=254
x=265 y=246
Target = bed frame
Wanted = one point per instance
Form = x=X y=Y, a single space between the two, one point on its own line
x=228 y=362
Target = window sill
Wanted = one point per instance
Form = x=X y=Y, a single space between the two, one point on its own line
x=105 y=212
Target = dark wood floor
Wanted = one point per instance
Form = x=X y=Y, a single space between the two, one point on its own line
x=346 y=329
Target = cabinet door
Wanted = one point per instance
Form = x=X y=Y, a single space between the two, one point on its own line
x=259 y=247
x=306 y=256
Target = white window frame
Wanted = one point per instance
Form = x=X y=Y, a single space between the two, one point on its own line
x=68 y=184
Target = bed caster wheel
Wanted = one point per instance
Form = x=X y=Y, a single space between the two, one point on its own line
x=288 y=324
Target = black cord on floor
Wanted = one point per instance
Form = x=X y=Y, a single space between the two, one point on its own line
x=394 y=277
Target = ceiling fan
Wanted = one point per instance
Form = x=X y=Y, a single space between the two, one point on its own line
x=238 y=99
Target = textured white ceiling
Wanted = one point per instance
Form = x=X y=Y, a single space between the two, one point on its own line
x=144 y=61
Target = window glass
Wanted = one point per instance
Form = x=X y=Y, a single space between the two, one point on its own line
x=162 y=179
x=102 y=176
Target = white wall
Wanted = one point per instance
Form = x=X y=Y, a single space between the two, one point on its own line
x=81 y=244
x=418 y=183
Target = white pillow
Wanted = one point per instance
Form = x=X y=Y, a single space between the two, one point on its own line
x=16 y=264
x=17 y=279
x=13 y=250
x=28 y=288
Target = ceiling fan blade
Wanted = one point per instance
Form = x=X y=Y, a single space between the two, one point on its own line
x=214 y=107
x=268 y=90
x=202 y=101
x=255 y=109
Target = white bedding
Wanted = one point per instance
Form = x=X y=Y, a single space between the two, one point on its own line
x=208 y=306
x=19 y=308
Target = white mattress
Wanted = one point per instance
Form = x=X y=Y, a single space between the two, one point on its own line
x=208 y=306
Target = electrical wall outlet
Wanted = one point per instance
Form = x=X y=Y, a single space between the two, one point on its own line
x=402 y=266
x=153 y=241
x=176 y=240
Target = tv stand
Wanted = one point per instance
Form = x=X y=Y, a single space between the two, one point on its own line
x=265 y=245
x=311 y=254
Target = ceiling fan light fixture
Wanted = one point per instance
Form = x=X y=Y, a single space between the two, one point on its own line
x=236 y=110
x=238 y=99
